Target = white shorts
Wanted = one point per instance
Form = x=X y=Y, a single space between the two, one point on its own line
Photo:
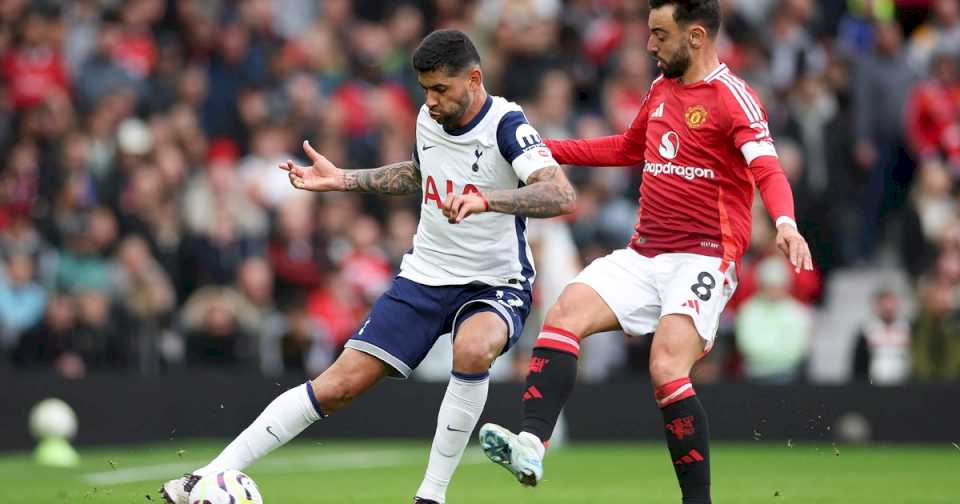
x=639 y=289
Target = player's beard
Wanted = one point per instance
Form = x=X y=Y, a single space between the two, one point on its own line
x=677 y=65
x=452 y=119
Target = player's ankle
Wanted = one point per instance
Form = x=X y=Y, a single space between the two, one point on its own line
x=533 y=441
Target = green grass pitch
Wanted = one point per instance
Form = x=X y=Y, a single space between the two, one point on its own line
x=389 y=472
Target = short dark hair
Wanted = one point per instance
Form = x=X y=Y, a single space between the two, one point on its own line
x=706 y=12
x=450 y=50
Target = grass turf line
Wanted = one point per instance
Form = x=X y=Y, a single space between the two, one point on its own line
x=385 y=472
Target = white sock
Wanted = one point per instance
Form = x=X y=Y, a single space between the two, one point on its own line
x=461 y=408
x=282 y=420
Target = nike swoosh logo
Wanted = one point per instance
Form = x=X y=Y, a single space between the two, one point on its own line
x=451 y=429
x=271 y=433
x=428 y=147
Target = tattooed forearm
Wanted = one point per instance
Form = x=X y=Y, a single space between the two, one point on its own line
x=548 y=193
x=393 y=179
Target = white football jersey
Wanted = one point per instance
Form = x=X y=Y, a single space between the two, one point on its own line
x=497 y=150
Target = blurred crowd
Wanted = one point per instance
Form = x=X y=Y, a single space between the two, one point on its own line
x=144 y=225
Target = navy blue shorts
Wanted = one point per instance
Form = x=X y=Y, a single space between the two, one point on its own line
x=406 y=321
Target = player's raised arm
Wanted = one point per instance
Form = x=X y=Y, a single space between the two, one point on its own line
x=322 y=176
x=625 y=149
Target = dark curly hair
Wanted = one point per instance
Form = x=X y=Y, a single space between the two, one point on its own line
x=706 y=12
x=449 y=50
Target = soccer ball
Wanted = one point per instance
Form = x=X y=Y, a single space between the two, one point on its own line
x=227 y=487
x=53 y=418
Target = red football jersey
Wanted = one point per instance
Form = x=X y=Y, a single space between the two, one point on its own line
x=696 y=143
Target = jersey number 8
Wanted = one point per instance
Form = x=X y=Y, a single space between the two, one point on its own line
x=704 y=286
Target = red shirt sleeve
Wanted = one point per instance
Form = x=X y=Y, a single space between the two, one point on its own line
x=748 y=118
x=774 y=188
x=625 y=149
x=751 y=136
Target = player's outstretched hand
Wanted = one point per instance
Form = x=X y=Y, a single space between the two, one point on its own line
x=458 y=206
x=792 y=244
x=321 y=176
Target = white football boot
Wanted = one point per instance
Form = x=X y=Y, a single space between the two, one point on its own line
x=520 y=455
x=177 y=491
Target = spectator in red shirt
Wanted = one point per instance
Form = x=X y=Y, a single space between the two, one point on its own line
x=34 y=69
x=336 y=309
x=297 y=253
x=932 y=120
x=366 y=267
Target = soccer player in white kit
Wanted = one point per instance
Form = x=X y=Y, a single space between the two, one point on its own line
x=475 y=156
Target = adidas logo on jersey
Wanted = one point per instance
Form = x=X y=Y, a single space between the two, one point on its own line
x=658 y=112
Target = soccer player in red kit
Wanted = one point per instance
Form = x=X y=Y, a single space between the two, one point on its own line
x=702 y=137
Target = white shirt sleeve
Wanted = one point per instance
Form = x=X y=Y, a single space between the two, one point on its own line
x=521 y=146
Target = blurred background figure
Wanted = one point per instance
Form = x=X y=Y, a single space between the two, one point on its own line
x=882 y=354
x=881 y=83
x=54 y=342
x=218 y=326
x=941 y=33
x=936 y=334
x=773 y=329
x=22 y=300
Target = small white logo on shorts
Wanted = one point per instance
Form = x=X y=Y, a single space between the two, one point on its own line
x=364 y=327
x=513 y=301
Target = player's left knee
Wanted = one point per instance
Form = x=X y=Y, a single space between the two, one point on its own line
x=676 y=347
x=475 y=354
x=665 y=370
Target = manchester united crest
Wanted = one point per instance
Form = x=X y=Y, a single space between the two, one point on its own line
x=696 y=116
